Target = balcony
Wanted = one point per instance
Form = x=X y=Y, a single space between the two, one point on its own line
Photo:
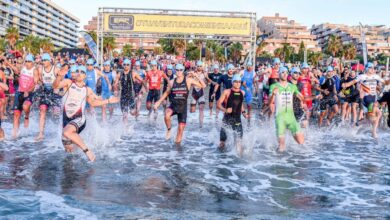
x=25 y=9
x=3 y=8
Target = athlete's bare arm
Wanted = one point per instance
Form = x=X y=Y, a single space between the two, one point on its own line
x=94 y=100
x=60 y=82
x=224 y=95
x=164 y=95
x=36 y=76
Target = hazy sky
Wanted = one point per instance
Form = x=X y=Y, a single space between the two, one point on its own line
x=307 y=12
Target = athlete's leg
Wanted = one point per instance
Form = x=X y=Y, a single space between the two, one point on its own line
x=15 y=129
x=333 y=112
x=249 y=106
x=26 y=109
x=2 y=107
x=168 y=124
x=201 y=113
x=211 y=105
x=344 y=111
x=282 y=143
x=2 y=136
x=375 y=118
x=42 y=121
x=299 y=138
x=321 y=118
x=354 y=112
x=104 y=113
x=70 y=132
x=180 y=131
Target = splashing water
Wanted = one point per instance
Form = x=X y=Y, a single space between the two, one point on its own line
x=337 y=174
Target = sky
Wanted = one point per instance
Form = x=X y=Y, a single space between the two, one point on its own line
x=350 y=12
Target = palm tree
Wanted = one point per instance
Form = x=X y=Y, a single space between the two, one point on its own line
x=35 y=45
x=139 y=52
x=166 y=45
x=288 y=51
x=301 y=52
x=93 y=35
x=179 y=45
x=109 y=44
x=278 y=52
x=27 y=43
x=260 y=48
x=315 y=57
x=285 y=53
x=235 y=51
x=349 y=51
x=3 y=45
x=334 y=45
x=157 y=50
x=220 y=54
x=12 y=35
x=192 y=51
x=46 y=45
x=126 y=50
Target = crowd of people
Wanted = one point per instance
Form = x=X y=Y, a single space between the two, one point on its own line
x=292 y=95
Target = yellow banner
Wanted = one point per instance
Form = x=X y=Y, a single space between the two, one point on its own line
x=172 y=24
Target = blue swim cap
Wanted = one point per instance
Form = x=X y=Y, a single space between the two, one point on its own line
x=369 y=65
x=179 y=66
x=30 y=57
x=153 y=62
x=137 y=63
x=82 y=69
x=249 y=63
x=295 y=70
x=305 y=65
x=282 y=69
x=107 y=63
x=90 y=61
x=199 y=63
x=276 y=60
x=169 y=67
x=215 y=66
x=236 y=77
x=329 y=69
x=126 y=61
x=73 y=69
x=46 y=56
x=230 y=67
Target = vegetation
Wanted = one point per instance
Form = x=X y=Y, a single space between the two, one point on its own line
x=12 y=35
x=127 y=50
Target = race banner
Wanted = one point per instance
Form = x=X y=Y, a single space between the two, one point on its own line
x=90 y=43
x=177 y=24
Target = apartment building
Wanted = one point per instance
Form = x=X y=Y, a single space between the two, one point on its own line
x=377 y=36
x=42 y=18
x=280 y=30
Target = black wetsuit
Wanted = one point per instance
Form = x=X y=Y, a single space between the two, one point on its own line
x=215 y=78
x=127 y=97
x=328 y=100
x=233 y=120
x=178 y=98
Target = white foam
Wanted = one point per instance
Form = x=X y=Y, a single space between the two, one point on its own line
x=51 y=203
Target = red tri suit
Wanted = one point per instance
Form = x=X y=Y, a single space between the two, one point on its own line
x=304 y=83
x=154 y=78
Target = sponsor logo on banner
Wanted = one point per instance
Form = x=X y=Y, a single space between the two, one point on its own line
x=121 y=22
